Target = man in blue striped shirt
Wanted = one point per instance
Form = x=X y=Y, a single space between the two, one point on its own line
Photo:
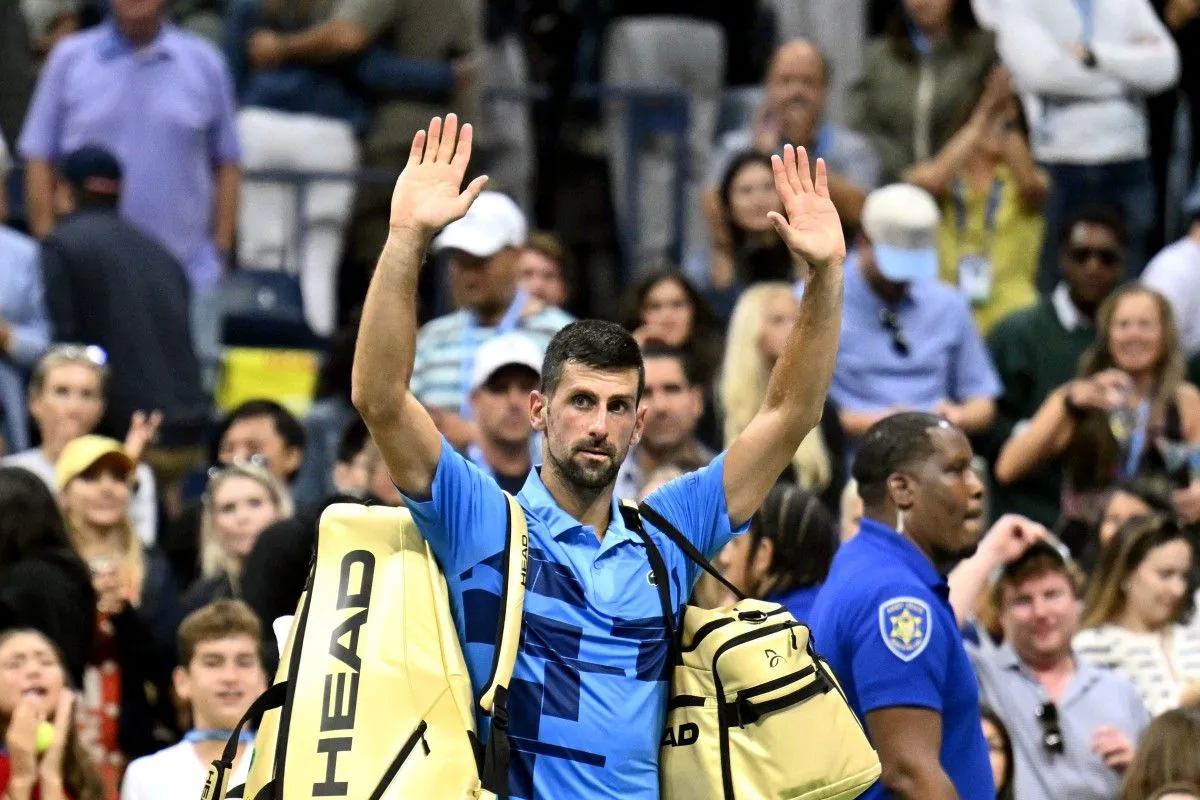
x=482 y=249
x=587 y=701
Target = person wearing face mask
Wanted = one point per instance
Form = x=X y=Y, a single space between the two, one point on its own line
x=910 y=340
x=1138 y=604
x=219 y=676
x=33 y=693
x=241 y=501
x=1074 y=726
x=884 y=618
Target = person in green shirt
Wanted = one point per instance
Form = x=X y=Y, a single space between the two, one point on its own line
x=1037 y=349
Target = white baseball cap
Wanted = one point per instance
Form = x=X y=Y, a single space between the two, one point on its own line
x=901 y=220
x=492 y=223
x=505 y=350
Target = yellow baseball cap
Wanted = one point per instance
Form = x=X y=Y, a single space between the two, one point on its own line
x=81 y=454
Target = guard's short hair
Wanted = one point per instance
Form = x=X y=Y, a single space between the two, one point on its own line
x=891 y=444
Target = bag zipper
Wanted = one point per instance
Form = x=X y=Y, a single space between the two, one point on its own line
x=722 y=706
x=709 y=627
x=418 y=735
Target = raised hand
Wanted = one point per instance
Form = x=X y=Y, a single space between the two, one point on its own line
x=427 y=196
x=142 y=430
x=812 y=229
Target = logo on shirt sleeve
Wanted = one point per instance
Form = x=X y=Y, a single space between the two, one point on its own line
x=904 y=624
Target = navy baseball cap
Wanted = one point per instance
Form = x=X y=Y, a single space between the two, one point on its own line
x=92 y=168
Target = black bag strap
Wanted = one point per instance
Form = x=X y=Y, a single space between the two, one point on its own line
x=271 y=698
x=662 y=580
x=689 y=550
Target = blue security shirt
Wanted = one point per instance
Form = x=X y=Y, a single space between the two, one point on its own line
x=883 y=620
x=587 y=701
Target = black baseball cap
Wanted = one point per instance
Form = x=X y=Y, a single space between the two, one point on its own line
x=92 y=168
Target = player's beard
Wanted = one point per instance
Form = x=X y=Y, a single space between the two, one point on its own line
x=584 y=476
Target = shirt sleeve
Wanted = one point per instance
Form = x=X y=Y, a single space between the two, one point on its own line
x=898 y=651
x=41 y=137
x=463 y=519
x=29 y=322
x=224 y=146
x=971 y=373
x=695 y=504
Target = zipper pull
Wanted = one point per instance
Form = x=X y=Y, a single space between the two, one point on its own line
x=424 y=744
x=795 y=644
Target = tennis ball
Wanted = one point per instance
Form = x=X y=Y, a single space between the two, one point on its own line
x=45 y=737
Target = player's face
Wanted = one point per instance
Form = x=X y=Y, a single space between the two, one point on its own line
x=947 y=512
x=590 y=422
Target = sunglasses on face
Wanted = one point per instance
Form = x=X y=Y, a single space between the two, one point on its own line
x=891 y=324
x=1080 y=255
x=1052 y=736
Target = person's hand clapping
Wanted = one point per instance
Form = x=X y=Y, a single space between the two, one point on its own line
x=427 y=196
x=811 y=229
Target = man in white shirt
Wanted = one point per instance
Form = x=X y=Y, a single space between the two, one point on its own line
x=1176 y=273
x=1085 y=68
x=222 y=674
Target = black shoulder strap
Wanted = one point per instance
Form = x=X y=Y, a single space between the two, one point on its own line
x=681 y=541
x=662 y=580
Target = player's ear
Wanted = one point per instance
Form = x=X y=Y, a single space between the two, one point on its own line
x=538 y=405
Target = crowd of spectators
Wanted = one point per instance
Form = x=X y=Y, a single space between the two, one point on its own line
x=1019 y=184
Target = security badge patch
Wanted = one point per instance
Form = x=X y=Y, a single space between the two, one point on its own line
x=905 y=624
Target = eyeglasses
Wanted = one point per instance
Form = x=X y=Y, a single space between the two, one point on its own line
x=1109 y=258
x=891 y=324
x=1052 y=736
x=78 y=352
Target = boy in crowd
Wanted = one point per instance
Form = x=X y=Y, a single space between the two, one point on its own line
x=221 y=674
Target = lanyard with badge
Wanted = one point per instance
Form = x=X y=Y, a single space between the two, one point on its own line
x=975 y=271
x=472 y=340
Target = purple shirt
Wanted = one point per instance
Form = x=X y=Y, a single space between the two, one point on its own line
x=166 y=112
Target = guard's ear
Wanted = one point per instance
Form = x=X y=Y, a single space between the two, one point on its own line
x=902 y=490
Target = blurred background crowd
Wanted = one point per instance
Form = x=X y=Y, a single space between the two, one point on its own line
x=194 y=193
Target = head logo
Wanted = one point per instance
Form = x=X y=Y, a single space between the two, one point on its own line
x=651 y=578
x=773 y=658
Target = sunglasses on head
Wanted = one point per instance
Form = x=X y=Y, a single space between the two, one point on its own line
x=256 y=460
x=79 y=352
x=1052 y=736
x=891 y=324
x=1080 y=255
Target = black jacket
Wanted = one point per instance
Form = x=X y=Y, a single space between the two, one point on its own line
x=109 y=284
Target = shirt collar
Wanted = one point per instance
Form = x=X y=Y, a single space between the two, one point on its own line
x=1085 y=674
x=1069 y=315
x=896 y=545
x=562 y=524
x=113 y=44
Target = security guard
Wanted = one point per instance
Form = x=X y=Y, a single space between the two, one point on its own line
x=883 y=618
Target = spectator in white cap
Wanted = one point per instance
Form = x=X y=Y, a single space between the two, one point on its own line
x=483 y=248
x=908 y=340
x=1175 y=272
x=507 y=368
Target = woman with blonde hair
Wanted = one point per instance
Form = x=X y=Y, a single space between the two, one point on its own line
x=1121 y=417
x=1166 y=754
x=241 y=501
x=124 y=703
x=761 y=322
x=1135 y=613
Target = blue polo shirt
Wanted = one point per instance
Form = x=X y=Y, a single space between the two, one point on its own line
x=947 y=359
x=893 y=641
x=587 y=703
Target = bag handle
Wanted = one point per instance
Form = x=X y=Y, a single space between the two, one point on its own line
x=494 y=699
x=662 y=580
x=689 y=550
x=214 y=785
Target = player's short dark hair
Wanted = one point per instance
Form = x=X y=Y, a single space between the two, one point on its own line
x=592 y=343
x=889 y=446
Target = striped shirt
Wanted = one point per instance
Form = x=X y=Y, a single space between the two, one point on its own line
x=1160 y=666
x=446 y=349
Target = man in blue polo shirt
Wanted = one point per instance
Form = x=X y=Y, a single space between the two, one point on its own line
x=893 y=640
x=588 y=700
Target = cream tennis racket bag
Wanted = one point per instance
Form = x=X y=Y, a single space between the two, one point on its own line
x=372 y=700
x=754 y=713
